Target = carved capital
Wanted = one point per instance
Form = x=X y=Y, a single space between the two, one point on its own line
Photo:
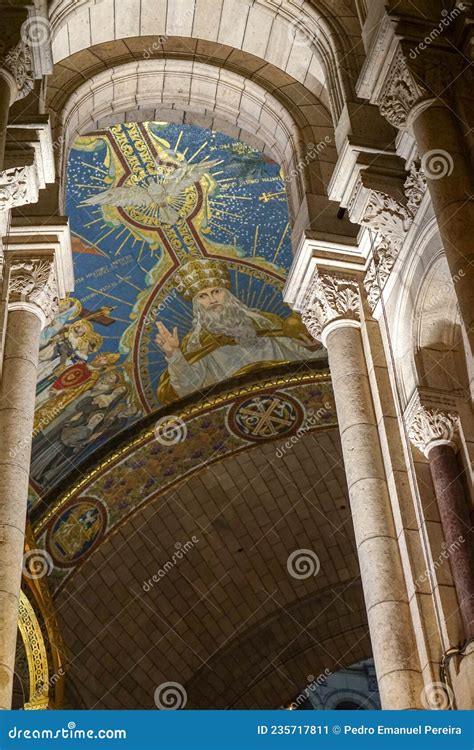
x=32 y=285
x=331 y=297
x=390 y=220
x=430 y=426
x=401 y=93
x=14 y=187
x=18 y=63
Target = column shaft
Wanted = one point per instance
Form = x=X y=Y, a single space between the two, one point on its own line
x=5 y=96
x=17 y=403
x=451 y=188
x=453 y=510
x=392 y=637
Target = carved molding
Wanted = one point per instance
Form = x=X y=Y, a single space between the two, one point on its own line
x=32 y=282
x=18 y=62
x=14 y=187
x=401 y=92
x=331 y=296
x=390 y=220
x=428 y=426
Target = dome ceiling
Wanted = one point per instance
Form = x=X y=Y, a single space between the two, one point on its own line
x=161 y=215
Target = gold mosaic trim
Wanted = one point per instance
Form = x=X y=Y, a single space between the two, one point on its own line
x=186 y=414
x=36 y=655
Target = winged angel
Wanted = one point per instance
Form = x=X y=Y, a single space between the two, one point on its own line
x=162 y=193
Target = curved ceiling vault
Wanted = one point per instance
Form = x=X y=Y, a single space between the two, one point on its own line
x=228 y=618
x=185 y=422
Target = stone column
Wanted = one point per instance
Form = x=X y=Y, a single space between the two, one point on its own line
x=414 y=95
x=31 y=303
x=433 y=432
x=331 y=314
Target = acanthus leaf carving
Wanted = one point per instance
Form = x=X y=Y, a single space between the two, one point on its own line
x=431 y=425
x=400 y=93
x=14 y=187
x=330 y=296
x=390 y=220
x=32 y=281
x=18 y=62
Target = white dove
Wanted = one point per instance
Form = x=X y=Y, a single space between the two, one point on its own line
x=161 y=191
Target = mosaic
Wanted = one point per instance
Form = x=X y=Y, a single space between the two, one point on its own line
x=152 y=464
x=181 y=241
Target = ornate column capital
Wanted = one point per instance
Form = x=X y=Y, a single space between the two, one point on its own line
x=390 y=219
x=332 y=299
x=32 y=286
x=16 y=65
x=432 y=419
x=402 y=93
x=18 y=186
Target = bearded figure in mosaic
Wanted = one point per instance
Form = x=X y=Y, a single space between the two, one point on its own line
x=227 y=339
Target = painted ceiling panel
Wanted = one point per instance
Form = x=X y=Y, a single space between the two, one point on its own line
x=181 y=242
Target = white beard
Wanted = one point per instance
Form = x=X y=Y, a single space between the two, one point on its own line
x=234 y=319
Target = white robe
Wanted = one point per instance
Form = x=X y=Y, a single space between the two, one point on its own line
x=226 y=361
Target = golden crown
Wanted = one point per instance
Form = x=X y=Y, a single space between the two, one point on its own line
x=198 y=274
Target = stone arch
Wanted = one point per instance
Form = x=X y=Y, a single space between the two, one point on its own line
x=439 y=350
x=425 y=334
x=313 y=42
x=203 y=94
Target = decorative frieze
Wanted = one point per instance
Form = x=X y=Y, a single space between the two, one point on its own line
x=32 y=282
x=331 y=296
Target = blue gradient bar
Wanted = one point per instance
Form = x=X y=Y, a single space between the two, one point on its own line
x=236 y=730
